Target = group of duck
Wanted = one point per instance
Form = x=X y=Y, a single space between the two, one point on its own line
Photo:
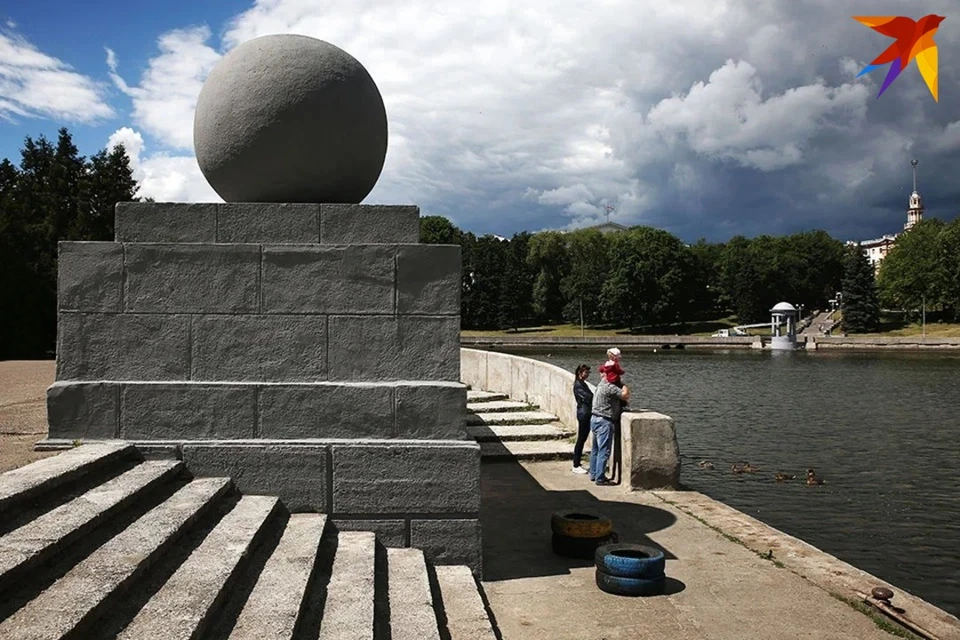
x=746 y=467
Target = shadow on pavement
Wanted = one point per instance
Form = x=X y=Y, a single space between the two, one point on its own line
x=515 y=516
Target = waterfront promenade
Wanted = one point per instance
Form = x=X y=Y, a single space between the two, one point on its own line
x=720 y=586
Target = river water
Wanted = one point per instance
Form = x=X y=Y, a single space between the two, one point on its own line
x=881 y=428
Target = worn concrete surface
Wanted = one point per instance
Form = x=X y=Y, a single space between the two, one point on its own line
x=411 y=604
x=272 y=609
x=716 y=588
x=77 y=598
x=651 y=455
x=462 y=605
x=186 y=603
x=23 y=410
x=19 y=486
x=39 y=539
x=348 y=610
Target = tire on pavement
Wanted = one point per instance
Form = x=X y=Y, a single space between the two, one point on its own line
x=630 y=561
x=632 y=587
x=578 y=524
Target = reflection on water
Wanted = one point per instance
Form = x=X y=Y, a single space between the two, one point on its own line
x=881 y=428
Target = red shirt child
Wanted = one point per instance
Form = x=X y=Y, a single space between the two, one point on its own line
x=611 y=369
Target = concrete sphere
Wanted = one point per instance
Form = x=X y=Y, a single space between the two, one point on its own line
x=289 y=118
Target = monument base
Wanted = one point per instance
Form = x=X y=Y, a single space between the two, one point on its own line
x=412 y=493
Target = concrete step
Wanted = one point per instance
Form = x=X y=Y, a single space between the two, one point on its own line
x=505 y=433
x=485 y=396
x=412 y=616
x=275 y=604
x=493 y=406
x=33 y=480
x=91 y=588
x=348 y=610
x=541 y=450
x=466 y=616
x=510 y=417
x=189 y=600
x=39 y=540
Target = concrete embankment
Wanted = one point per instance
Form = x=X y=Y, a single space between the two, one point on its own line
x=732 y=576
x=729 y=575
x=811 y=343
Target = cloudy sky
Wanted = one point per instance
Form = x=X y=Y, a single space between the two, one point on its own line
x=708 y=118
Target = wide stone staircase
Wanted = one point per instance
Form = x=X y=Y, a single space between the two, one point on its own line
x=98 y=542
x=513 y=430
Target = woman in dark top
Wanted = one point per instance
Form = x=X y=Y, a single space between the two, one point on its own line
x=584 y=399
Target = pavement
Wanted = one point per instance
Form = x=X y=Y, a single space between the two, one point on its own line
x=23 y=410
x=717 y=587
x=813 y=329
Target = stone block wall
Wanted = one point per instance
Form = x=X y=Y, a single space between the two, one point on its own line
x=311 y=351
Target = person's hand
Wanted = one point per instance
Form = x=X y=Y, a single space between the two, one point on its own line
x=626 y=393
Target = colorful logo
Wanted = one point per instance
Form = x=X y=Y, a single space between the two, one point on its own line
x=914 y=40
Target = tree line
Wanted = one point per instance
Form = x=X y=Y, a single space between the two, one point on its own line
x=54 y=194
x=642 y=278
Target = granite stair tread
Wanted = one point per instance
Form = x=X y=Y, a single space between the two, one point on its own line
x=529 y=432
x=476 y=396
x=528 y=450
x=348 y=610
x=41 y=538
x=29 y=482
x=412 y=616
x=89 y=588
x=499 y=406
x=198 y=559
x=463 y=608
x=510 y=417
x=275 y=604
x=188 y=601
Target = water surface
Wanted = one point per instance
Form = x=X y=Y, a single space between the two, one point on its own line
x=882 y=429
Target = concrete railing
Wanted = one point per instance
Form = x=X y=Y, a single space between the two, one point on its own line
x=650 y=453
x=545 y=385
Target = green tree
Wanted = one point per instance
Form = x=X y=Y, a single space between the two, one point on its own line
x=740 y=277
x=649 y=275
x=948 y=258
x=109 y=181
x=55 y=194
x=483 y=276
x=549 y=260
x=707 y=300
x=587 y=250
x=438 y=230
x=516 y=283
x=911 y=274
x=861 y=308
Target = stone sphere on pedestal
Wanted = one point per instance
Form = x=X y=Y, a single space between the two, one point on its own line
x=288 y=118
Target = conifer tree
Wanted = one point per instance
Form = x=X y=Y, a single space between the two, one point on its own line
x=861 y=308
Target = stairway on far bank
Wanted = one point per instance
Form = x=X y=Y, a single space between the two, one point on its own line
x=512 y=430
x=97 y=542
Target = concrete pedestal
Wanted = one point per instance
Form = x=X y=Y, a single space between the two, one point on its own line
x=309 y=351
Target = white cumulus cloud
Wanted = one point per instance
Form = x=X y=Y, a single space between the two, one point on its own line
x=34 y=85
x=505 y=117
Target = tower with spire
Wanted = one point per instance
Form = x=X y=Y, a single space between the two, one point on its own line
x=915 y=210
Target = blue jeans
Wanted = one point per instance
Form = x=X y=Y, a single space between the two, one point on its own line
x=602 y=429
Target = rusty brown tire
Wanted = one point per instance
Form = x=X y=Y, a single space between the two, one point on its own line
x=580 y=524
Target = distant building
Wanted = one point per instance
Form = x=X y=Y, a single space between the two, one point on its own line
x=878 y=248
x=609 y=227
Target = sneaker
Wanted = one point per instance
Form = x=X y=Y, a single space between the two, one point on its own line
x=604 y=482
x=580 y=470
